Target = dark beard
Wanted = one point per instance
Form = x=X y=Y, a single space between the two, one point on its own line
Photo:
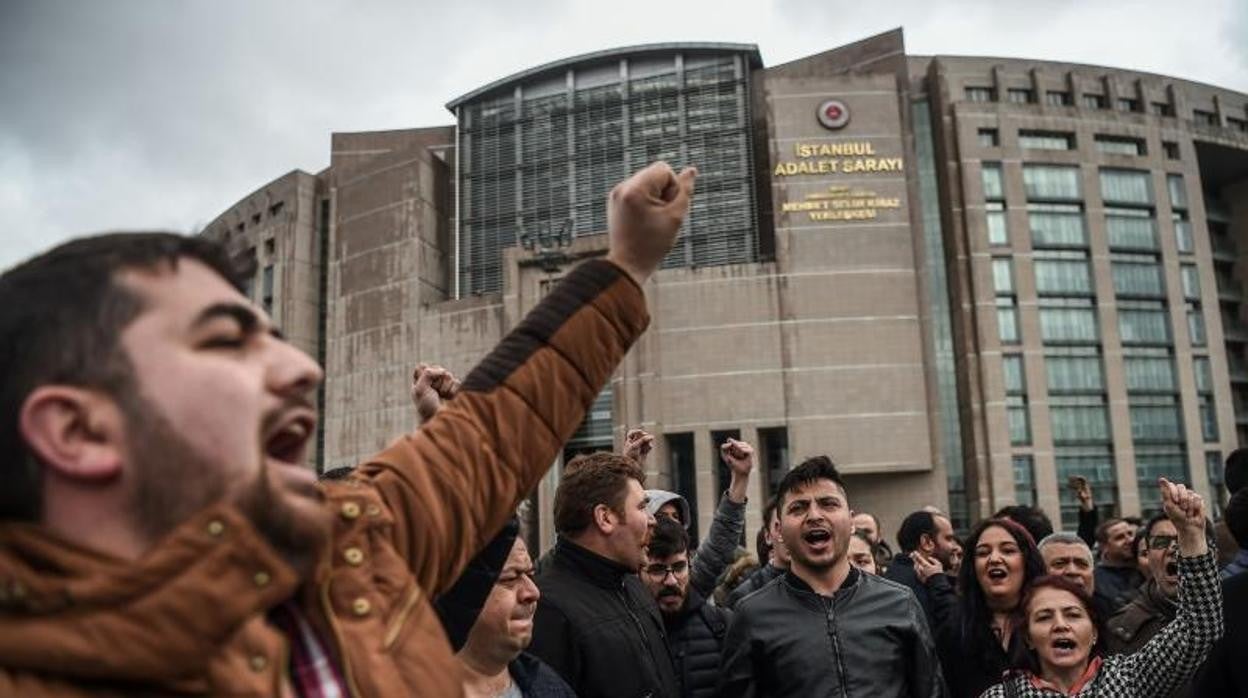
x=173 y=482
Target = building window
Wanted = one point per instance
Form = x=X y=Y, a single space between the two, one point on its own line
x=1216 y=473
x=1126 y=187
x=1120 y=145
x=1128 y=104
x=1079 y=419
x=276 y=209
x=1016 y=399
x=1020 y=95
x=1204 y=395
x=1195 y=325
x=1178 y=192
x=1137 y=276
x=1058 y=98
x=1237 y=123
x=1171 y=149
x=1074 y=369
x=255 y=219
x=1130 y=228
x=1161 y=108
x=773 y=453
x=1190 y=277
x=270 y=247
x=1206 y=118
x=1024 y=481
x=1143 y=322
x=266 y=288
x=1007 y=320
x=1094 y=101
x=1096 y=463
x=1068 y=321
x=1051 y=182
x=998 y=228
x=1183 y=232
x=1062 y=273
x=994 y=185
x=1056 y=225
x=1168 y=460
x=980 y=94
x=989 y=138
x=1046 y=140
x=1002 y=275
x=1149 y=370
x=683 y=470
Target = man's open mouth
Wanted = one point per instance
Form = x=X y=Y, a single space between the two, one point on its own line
x=1172 y=569
x=287 y=442
x=817 y=536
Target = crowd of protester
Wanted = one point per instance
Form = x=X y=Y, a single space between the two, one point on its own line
x=159 y=534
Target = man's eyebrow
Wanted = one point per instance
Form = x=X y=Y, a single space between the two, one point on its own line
x=246 y=318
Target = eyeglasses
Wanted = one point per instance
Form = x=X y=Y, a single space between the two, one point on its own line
x=1162 y=542
x=658 y=571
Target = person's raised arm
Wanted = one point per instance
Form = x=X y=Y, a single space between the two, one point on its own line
x=716 y=551
x=450 y=486
x=1173 y=655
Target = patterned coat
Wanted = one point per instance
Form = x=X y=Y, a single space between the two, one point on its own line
x=1171 y=658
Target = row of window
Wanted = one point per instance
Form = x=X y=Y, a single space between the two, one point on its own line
x=1091 y=100
x=274 y=210
x=1065 y=140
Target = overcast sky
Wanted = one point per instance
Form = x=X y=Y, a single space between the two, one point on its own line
x=163 y=113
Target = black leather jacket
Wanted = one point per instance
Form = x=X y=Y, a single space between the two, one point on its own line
x=598 y=627
x=870 y=639
x=696 y=635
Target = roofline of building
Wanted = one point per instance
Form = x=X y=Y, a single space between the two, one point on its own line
x=1075 y=64
x=756 y=61
x=293 y=174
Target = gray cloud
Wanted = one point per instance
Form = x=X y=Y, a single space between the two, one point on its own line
x=156 y=114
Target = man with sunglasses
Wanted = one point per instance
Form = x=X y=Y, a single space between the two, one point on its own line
x=695 y=629
x=1157 y=601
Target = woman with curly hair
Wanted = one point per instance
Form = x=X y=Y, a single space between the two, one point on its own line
x=975 y=630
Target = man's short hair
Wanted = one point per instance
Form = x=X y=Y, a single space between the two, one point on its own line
x=590 y=480
x=1033 y=519
x=912 y=529
x=1236 y=516
x=62 y=314
x=811 y=470
x=874 y=519
x=670 y=538
x=1102 y=529
x=1235 y=472
x=1063 y=538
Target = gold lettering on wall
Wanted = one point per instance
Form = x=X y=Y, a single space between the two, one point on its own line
x=840 y=203
x=836 y=158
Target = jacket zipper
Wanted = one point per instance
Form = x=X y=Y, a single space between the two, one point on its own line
x=645 y=639
x=836 y=647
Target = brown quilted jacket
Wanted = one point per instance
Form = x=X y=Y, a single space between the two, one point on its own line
x=189 y=618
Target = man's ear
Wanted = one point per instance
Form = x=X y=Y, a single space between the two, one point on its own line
x=73 y=431
x=926 y=543
x=604 y=519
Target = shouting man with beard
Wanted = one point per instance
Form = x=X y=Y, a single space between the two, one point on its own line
x=824 y=628
x=695 y=628
x=159 y=531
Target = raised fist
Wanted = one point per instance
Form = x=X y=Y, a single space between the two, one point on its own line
x=644 y=213
x=1183 y=507
x=431 y=386
x=637 y=444
x=739 y=456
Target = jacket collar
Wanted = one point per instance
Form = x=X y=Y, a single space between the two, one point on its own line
x=598 y=570
x=76 y=612
x=798 y=584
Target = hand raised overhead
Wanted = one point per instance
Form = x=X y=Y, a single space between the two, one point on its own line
x=431 y=386
x=644 y=213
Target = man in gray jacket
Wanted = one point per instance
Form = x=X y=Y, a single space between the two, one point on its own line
x=824 y=628
x=718 y=550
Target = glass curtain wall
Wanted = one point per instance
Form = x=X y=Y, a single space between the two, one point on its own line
x=539 y=157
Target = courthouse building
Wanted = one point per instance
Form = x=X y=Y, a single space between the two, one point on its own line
x=965 y=279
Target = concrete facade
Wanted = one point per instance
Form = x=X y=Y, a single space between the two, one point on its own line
x=869 y=326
